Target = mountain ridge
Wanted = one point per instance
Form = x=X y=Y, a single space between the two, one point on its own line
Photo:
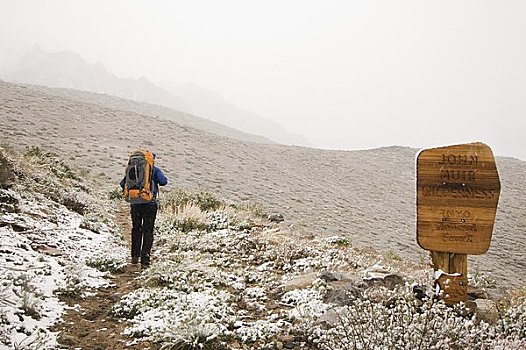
x=67 y=69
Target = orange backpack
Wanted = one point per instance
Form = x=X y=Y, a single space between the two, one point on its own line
x=138 y=187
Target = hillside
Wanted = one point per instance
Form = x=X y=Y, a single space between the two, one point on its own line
x=223 y=277
x=366 y=196
x=209 y=103
x=66 y=69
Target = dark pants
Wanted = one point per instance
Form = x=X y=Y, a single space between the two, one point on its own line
x=143 y=220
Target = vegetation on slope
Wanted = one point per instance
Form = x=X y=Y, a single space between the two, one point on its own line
x=223 y=276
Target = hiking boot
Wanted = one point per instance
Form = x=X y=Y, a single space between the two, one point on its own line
x=135 y=260
x=144 y=266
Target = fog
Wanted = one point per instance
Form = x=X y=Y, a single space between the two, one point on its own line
x=343 y=74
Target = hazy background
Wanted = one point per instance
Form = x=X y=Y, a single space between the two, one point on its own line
x=343 y=74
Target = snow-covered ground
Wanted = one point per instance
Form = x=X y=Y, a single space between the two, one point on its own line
x=267 y=288
x=45 y=251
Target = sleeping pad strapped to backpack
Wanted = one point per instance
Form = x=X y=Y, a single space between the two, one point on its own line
x=139 y=177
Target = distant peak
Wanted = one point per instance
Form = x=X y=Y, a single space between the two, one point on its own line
x=99 y=66
x=34 y=49
x=143 y=79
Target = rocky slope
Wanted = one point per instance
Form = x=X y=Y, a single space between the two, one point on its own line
x=367 y=196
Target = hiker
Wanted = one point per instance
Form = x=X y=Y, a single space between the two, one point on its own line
x=141 y=186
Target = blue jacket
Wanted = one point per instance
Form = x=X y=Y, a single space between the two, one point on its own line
x=158 y=180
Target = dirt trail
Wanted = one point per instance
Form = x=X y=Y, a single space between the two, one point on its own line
x=89 y=325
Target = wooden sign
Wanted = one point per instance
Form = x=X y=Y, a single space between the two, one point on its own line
x=451 y=271
x=458 y=191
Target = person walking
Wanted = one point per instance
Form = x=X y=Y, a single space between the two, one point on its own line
x=144 y=209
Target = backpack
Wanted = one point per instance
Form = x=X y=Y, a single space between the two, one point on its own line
x=138 y=187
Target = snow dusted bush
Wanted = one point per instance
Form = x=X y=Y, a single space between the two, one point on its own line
x=76 y=201
x=403 y=322
x=193 y=337
x=339 y=240
x=107 y=264
x=480 y=280
x=308 y=303
x=173 y=201
x=164 y=314
x=218 y=220
x=260 y=330
x=189 y=218
x=72 y=285
x=51 y=162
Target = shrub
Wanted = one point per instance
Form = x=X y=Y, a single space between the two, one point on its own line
x=106 y=264
x=7 y=174
x=339 y=241
x=188 y=224
x=253 y=208
x=72 y=285
x=206 y=201
x=188 y=218
x=174 y=201
x=30 y=305
x=75 y=201
x=403 y=322
x=115 y=194
x=56 y=166
x=218 y=221
x=193 y=337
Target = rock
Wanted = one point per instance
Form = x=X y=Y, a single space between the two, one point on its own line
x=288 y=345
x=420 y=292
x=279 y=345
x=300 y=282
x=8 y=201
x=276 y=217
x=331 y=317
x=286 y=338
x=244 y=225
x=42 y=248
x=383 y=278
x=343 y=293
x=7 y=175
x=477 y=293
x=287 y=341
x=8 y=197
x=330 y=276
x=487 y=310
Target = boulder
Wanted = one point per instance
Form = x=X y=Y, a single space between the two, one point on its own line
x=380 y=277
x=300 y=282
x=331 y=276
x=487 y=310
x=477 y=293
x=343 y=293
x=276 y=217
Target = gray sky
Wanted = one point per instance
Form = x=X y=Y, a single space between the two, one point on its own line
x=344 y=74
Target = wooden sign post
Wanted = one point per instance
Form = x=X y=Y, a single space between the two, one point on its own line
x=458 y=191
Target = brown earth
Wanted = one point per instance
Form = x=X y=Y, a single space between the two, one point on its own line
x=89 y=324
x=367 y=196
